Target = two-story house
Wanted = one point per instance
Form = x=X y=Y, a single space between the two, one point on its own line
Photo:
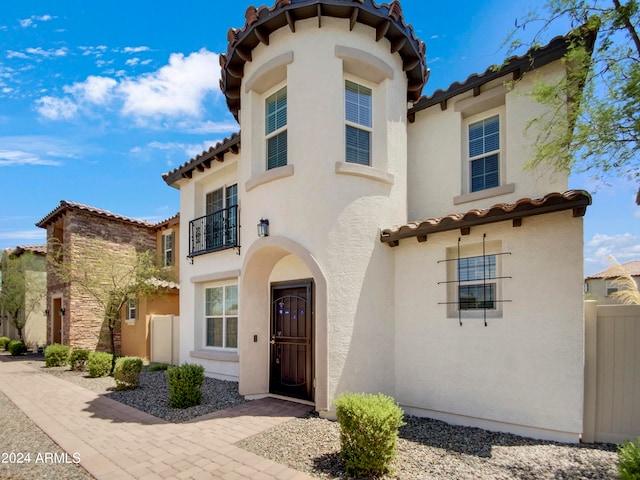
x=97 y=239
x=360 y=237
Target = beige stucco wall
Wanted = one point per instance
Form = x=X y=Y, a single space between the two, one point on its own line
x=437 y=143
x=335 y=217
x=524 y=371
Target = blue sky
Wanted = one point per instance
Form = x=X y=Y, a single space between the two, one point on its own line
x=98 y=99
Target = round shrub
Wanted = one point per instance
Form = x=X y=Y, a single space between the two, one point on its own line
x=17 y=348
x=99 y=364
x=184 y=385
x=368 y=432
x=4 y=343
x=56 y=355
x=629 y=460
x=78 y=360
x=127 y=372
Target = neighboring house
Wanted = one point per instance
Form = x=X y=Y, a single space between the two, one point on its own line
x=35 y=326
x=76 y=319
x=600 y=286
x=307 y=277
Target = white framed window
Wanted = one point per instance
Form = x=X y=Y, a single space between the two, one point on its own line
x=276 y=128
x=484 y=153
x=168 y=240
x=477 y=282
x=131 y=311
x=358 y=123
x=611 y=287
x=474 y=279
x=221 y=317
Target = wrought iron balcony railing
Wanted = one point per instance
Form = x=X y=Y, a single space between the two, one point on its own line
x=214 y=232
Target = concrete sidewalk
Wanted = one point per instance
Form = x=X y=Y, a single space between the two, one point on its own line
x=117 y=442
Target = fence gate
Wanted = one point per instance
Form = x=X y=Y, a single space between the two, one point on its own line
x=165 y=339
x=612 y=373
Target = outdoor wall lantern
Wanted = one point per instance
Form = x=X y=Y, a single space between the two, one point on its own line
x=263 y=228
x=62 y=311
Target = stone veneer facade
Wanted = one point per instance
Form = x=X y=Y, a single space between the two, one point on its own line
x=82 y=325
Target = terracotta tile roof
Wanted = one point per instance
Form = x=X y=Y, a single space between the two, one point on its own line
x=174 y=220
x=203 y=161
x=66 y=206
x=261 y=22
x=632 y=268
x=38 y=249
x=577 y=200
x=516 y=66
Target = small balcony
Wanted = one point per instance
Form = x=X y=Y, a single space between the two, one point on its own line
x=217 y=231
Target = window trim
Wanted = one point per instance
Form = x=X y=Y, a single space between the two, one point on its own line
x=492 y=248
x=165 y=235
x=225 y=316
x=467 y=193
x=131 y=306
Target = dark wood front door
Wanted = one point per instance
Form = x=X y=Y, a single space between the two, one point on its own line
x=291 y=340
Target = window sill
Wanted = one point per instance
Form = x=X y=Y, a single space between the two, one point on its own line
x=490 y=192
x=355 y=169
x=268 y=176
x=218 y=355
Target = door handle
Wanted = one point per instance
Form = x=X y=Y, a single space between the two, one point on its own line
x=273 y=341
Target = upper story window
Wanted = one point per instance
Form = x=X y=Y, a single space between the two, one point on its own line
x=358 y=123
x=484 y=154
x=168 y=239
x=276 y=129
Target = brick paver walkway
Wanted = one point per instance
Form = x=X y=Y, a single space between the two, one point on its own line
x=117 y=442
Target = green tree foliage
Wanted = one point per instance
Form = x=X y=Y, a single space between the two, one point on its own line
x=110 y=278
x=599 y=133
x=23 y=287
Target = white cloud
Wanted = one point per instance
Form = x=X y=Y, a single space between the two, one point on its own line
x=624 y=247
x=32 y=52
x=175 y=89
x=17 y=158
x=14 y=54
x=135 y=49
x=56 y=108
x=209 y=127
x=96 y=90
x=132 y=62
x=52 y=52
x=30 y=22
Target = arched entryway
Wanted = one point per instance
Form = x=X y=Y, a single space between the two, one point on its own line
x=280 y=279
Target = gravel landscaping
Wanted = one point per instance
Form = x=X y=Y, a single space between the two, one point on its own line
x=427 y=449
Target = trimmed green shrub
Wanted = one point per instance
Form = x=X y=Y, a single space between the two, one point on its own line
x=127 y=372
x=17 y=348
x=56 y=355
x=184 y=385
x=368 y=432
x=99 y=364
x=158 y=367
x=629 y=460
x=4 y=343
x=78 y=360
